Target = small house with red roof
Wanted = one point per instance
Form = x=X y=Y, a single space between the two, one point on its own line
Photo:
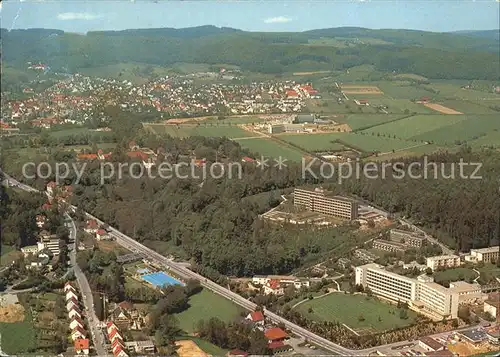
x=290 y=93
x=76 y=322
x=82 y=346
x=423 y=100
x=247 y=159
x=274 y=286
x=68 y=286
x=101 y=234
x=257 y=317
x=237 y=353
x=119 y=352
x=75 y=312
x=274 y=334
x=77 y=333
x=71 y=294
x=110 y=325
x=91 y=226
x=117 y=342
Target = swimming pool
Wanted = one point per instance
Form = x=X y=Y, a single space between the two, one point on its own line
x=160 y=279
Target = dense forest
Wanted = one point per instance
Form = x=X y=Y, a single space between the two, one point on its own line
x=433 y=55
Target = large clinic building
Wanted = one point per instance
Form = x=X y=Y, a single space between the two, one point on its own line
x=487 y=255
x=318 y=201
x=421 y=294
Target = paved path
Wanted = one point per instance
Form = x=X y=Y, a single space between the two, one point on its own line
x=87 y=298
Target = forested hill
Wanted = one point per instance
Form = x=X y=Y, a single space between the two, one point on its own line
x=433 y=55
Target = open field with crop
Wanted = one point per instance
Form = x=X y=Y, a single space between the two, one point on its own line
x=441 y=108
x=270 y=148
x=359 y=89
x=205 y=305
x=410 y=76
x=492 y=139
x=183 y=131
x=370 y=313
x=454 y=91
x=404 y=90
x=473 y=128
x=361 y=121
x=357 y=141
x=416 y=126
x=468 y=107
x=18 y=337
x=397 y=106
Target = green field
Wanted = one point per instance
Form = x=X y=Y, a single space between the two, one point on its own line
x=364 y=142
x=474 y=127
x=468 y=107
x=137 y=73
x=205 y=305
x=75 y=131
x=7 y=254
x=269 y=148
x=454 y=274
x=360 y=121
x=454 y=91
x=183 y=131
x=415 y=126
x=492 y=139
x=18 y=337
x=347 y=309
x=395 y=106
x=401 y=90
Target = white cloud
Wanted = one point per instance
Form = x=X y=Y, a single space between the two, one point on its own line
x=77 y=16
x=277 y=20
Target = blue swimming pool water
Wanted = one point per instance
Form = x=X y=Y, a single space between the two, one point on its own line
x=160 y=279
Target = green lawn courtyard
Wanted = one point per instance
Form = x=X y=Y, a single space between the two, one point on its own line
x=18 y=337
x=204 y=306
x=359 y=312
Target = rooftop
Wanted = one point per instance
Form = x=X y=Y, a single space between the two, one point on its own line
x=432 y=343
x=441 y=257
x=487 y=250
x=474 y=335
x=275 y=333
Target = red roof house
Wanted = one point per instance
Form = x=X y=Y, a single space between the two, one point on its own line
x=275 y=334
x=82 y=346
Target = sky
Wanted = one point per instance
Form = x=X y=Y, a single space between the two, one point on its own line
x=259 y=15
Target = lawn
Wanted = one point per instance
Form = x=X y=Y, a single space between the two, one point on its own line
x=204 y=306
x=454 y=274
x=348 y=309
x=472 y=128
x=416 y=126
x=488 y=273
x=270 y=148
x=18 y=337
x=192 y=130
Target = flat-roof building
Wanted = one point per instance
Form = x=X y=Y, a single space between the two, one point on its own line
x=487 y=255
x=388 y=246
x=443 y=261
x=319 y=201
x=422 y=294
x=409 y=238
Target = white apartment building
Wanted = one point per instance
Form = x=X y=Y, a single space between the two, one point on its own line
x=443 y=261
x=487 y=255
x=387 y=284
x=422 y=294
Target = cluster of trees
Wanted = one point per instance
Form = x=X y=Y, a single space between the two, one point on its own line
x=233 y=336
x=423 y=54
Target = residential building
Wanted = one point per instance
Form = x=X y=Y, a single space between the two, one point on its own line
x=492 y=305
x=429 y=344
x=443 y=261
x=408 y=238
x=29 y=249
x=68 y=286
x=74 y=312
x=467 y=293
x=50 y=242
x=82 y=346
x=365 y=255
x=91 y=226
x=101 y=234
x=71 y=303
x=318 y=201
x=487 y=255
x=273 y=287
x=71 y=294
x=388 y=246
x=436 y=300
x=493 y=335
x=275 y=334
x=76 y=322
x=257 y=317
x=78 y=333
x=146 y=346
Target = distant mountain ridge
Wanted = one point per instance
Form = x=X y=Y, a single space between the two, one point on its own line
x=488 y=34
x=430 y=54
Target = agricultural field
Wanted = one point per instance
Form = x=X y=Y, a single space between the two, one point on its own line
x=205 y=305
x=270 y=148
x=360 y=73
x=468 y=107
x=183 y=131
x=474 y=127
x=416 y=126
x=397 y=106
x=361 y=89
x=442 y=109
x=371 y=314
x=404 y=90
x=454 y=91
x=76 y=131
x=492 y=139
x=18 y=337
x=356 y=141
x=415 y=77
x=136 y=73
x=362 y=121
